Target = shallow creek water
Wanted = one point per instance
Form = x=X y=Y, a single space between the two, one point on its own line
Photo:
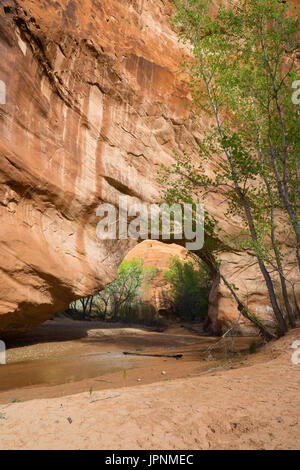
x=60 y=358
x=65 y=370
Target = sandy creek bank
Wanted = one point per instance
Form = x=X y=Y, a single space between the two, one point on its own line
x=235 y=401
x=64 y=357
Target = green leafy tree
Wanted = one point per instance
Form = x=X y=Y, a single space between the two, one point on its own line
x=125 y=292
x=190 y=288
x=120 y=296
x=241 y=75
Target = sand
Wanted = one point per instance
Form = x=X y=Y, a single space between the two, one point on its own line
x=255 y=407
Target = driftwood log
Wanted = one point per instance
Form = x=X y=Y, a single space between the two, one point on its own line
x=174 y=356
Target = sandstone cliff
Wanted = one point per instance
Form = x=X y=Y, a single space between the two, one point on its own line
x=94 y=105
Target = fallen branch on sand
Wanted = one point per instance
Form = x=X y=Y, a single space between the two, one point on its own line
x=105 y=398
x=174 y=356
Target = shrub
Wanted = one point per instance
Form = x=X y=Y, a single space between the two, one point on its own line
x=253 y=348
x=190 y=288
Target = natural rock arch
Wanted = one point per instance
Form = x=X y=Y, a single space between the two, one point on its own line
x=88 y=117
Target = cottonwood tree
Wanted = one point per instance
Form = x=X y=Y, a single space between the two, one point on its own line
x=123 y=293
x=133 y=278
x=241 y=74
x=190 y=283
x=83 y=306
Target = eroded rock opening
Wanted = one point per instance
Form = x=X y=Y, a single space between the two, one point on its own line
x=157 y=284
x=88 y=117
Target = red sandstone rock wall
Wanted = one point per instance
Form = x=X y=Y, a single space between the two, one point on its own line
x=94 y=106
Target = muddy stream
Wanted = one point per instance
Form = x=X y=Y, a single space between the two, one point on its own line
x=65 y=357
